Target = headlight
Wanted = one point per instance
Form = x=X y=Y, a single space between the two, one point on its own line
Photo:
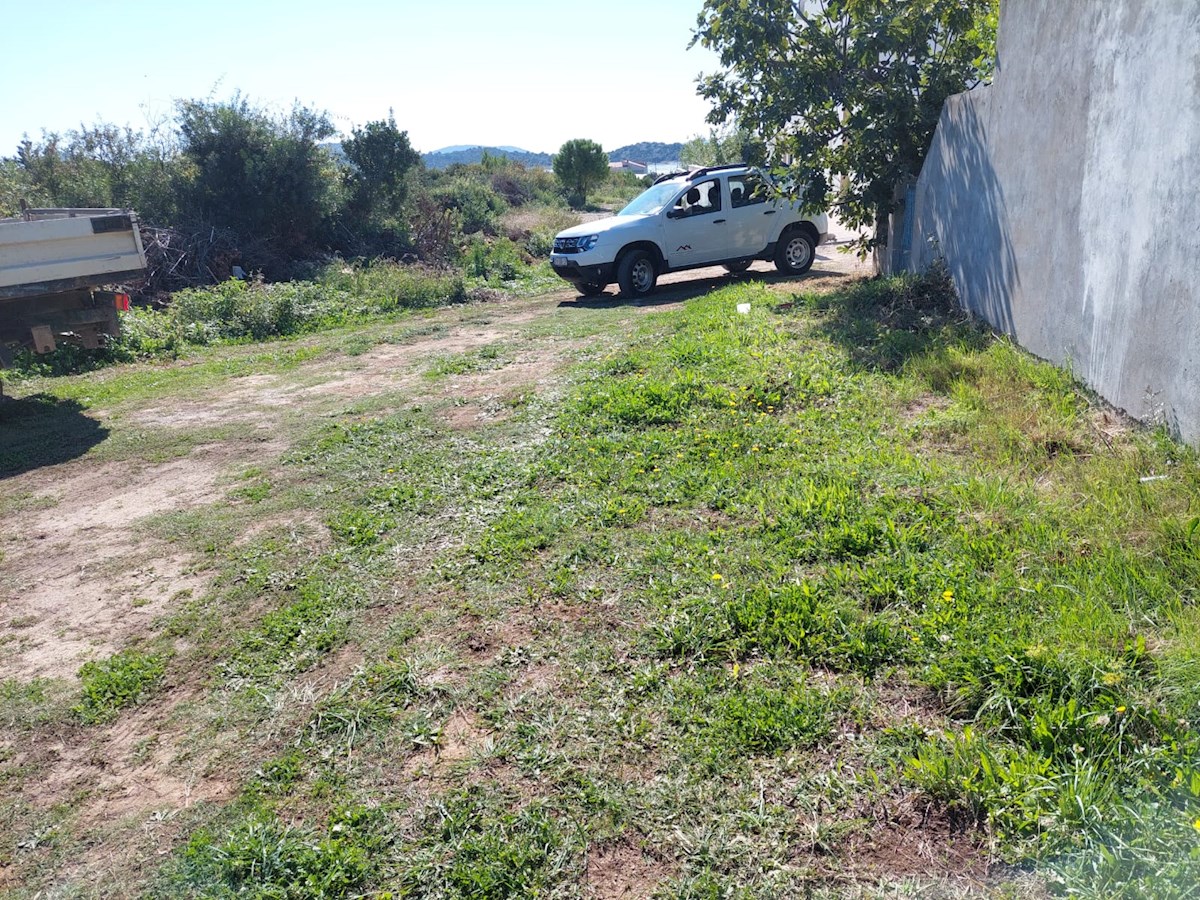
x=588 y=243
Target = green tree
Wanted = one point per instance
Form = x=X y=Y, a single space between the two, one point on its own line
x=580 y=165
x=732 y=145
x=103 y=165
x=15 y=186
x=380 y=156
x=261 y=175
x=845 y=92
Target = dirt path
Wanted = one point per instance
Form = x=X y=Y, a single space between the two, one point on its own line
x=78 y=582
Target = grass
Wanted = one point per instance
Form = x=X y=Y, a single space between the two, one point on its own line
x=843 y=597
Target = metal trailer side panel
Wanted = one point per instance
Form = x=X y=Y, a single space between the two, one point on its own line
x=82 y=249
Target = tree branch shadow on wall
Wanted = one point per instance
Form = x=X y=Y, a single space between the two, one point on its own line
x=962 y=214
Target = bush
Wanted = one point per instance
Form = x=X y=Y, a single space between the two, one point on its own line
x=238 y=310
x=499 y=259
x=477 y=205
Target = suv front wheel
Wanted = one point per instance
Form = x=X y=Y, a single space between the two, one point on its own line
x=636 y=273
x=795 y=252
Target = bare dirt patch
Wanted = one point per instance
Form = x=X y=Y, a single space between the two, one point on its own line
x=622 y=872
x=462 y=737
x=78 y=579
x=918 y=838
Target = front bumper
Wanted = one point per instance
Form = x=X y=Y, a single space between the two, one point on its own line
x=571 y=270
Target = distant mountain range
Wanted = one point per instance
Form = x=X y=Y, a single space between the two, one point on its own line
x=647 y=152
x=448 y=156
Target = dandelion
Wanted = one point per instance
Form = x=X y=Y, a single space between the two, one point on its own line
x=717 y=576
x=1120 y=709
x=1196 y=824
x=948 y=595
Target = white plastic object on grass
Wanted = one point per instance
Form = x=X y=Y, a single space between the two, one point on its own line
x=743 y=308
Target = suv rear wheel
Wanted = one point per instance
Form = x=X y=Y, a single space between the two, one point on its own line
x=636 y=274
x=795 y=252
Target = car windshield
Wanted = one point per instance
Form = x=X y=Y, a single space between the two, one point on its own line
x=651 y=200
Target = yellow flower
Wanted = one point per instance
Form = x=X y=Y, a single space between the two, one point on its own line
x=1120 y=709
x=717 y=576
x=947 y=595
x=1196 y=824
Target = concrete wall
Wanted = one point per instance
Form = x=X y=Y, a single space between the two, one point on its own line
x=1065 y=197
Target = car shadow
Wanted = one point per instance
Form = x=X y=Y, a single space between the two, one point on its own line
x=42 y=430
x=675 y=292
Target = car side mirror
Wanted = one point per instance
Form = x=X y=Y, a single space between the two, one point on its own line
x=675 y=214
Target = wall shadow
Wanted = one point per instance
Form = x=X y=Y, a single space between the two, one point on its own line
x=42 y=430
x=961 y=213
x=883 y=323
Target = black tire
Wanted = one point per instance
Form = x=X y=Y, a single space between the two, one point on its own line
x=591 y=289
x=795 y=252
x=637 y=274
x=740 y=265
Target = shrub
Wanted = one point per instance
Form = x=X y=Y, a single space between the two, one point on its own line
x=477 y=205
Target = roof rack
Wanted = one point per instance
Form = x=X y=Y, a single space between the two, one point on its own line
x=700 y=172
x=667 y=176
x=704 y=171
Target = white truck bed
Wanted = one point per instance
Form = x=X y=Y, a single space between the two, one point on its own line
x=55 y=250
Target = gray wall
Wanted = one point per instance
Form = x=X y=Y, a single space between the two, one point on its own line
x=1065 y=197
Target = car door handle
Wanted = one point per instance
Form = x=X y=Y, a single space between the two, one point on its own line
x=718 y=221
x=770 y=212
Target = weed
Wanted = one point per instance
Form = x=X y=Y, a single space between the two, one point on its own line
x=119 y=681
x=264 y=857
x=473 y=847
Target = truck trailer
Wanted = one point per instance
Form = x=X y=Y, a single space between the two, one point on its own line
x=53 y=266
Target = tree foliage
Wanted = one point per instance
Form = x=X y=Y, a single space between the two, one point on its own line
x=103 y=165
x=846 y=93
x=380 y=156
x=731 y=145
x=256 y=173
x=581 y=165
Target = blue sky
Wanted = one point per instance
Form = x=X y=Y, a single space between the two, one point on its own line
x=532 y=73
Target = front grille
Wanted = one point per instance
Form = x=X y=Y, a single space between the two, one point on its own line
x=567 y=245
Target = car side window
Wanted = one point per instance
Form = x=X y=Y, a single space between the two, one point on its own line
x=746 y=190
x=699 y=199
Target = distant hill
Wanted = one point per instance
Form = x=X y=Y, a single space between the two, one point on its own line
x=647 y=152
x=448 y=156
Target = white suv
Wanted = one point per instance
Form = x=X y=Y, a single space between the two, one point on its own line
x=720 y=215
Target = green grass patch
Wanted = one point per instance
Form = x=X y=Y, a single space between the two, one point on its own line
x=122 y=680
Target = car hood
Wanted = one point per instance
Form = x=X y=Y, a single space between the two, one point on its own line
x=602 y=226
